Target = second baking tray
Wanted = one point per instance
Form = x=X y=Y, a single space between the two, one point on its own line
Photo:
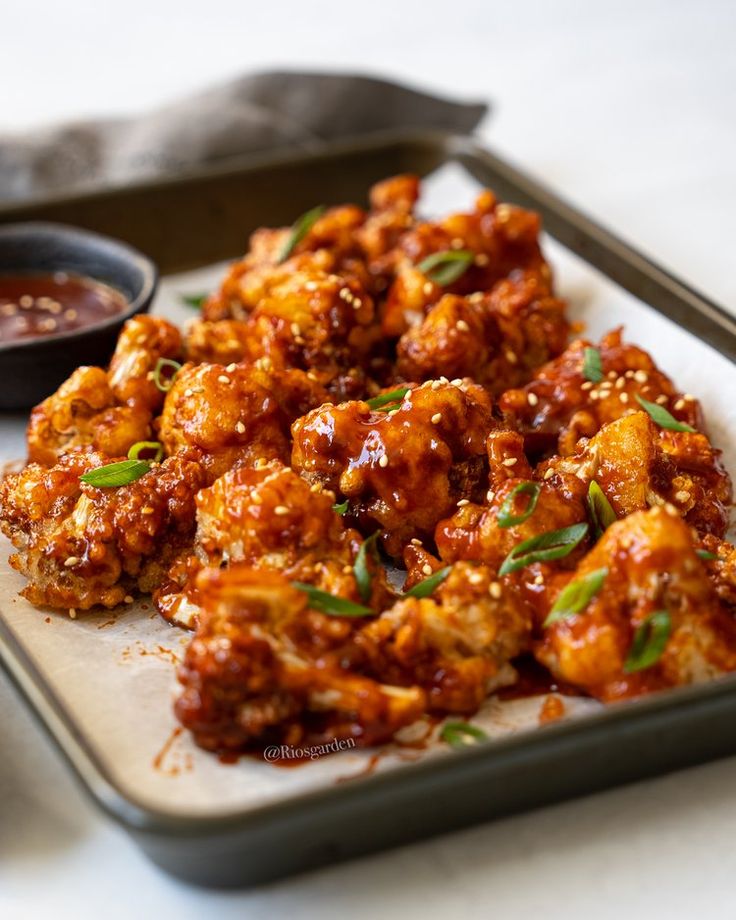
x=100 y=685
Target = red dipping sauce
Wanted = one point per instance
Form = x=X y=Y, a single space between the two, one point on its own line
x=44 y=305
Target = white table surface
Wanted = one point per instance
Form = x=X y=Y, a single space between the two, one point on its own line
x=629 y=109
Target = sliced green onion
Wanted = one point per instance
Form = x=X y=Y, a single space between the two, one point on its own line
x=157 y=446
x=164 y=383
x=363 y=575
x=504 y=515
x=427 y=586
x=300 y=228
x=387 y=399
x=445 y=267
x=555 y=544
x=328 y=603
x=193 y=300
x=592 y=366
x=341 y=508
x=462 y=734
x=117 y=474
x=661 y=416
x=649 y=642
x=706 y=555
x=601 y=512
x=576 y=596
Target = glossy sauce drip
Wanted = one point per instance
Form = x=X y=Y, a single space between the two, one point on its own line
x=44 y=305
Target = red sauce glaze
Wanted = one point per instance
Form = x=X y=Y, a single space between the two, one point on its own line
x=44 y=305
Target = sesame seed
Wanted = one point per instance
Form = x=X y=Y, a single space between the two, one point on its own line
x=689 y=397
x=539 y=580
x=494 y=589
x=71 y=560
x=511 y=357
x=490 y=495
x=532 y=399
x=70 y=314
x=128 y=599
x=383 y=462
x=26 y=301
x=415 y=541
x=594 y=394
x=223 y=379
x=588 y=385
x=457 y=382
x=463 y=502
x=357 y=303
x=426 y=569
x=624 y=397
x=347 y=569
x=72 y=613
x=444 y=380
x=629 y=375
x=661 y=400
x=316 y=487
x=240 y=427
x=482 y=259
x=548 y=474
x=463 y=326
x=436 y=418
x=606 y=385
x=641 y=376
x=427 y=288
x=475 y=578
x=281 y=510
x=510 y=461
x=436 y=384
x=311 y=286
x=188 y=391
x=620 y=383
x=680 y=404
x=231 y=367
x=295 y=329
x=682 y=496
x=612 y=375
x=147 y=510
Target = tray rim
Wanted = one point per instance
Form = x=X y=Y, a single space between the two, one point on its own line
x=141 y=817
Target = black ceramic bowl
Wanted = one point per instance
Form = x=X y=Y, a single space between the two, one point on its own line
x=31 y=370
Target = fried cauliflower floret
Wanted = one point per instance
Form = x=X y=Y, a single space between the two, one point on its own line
x=270 y=518
x=651 y=566
x=457 y=645
x=263 y=668
x=84 y=412
x=639 y=465
x=142 y=342
x=497 y=339
x=559 y=405
x=229 y=415
x=404 y=468
x=503 y=238
x=79 y=545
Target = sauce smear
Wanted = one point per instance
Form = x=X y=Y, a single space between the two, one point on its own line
x=43 y=305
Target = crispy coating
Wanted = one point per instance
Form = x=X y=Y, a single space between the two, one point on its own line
x=401 y=470
x=228 y=414
x=456 y=645
x=652 y=565
x=676 y=467
x=263 y=668
x=142 y=342
x=79 y=545
x=559 y=406
x=496 y=338
x=83 y=412
x=270 y=518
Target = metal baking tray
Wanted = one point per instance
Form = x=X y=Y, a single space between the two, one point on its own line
x=199 y=219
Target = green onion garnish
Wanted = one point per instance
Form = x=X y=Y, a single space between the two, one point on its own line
x=445 y=267
x=117 y=474
x=193 y=300
x=706 y=555
x=341 y=508
x=386 y=399
x=157 y=446
x=555 y=544
x=328 y=603
x=300 y=228
x=363 y=575
x=601 y=512
x=504 y=515
x=576 y=596
x=164 y=383
x=462 y=734
x=426 y=587
x=592 y=367
x=649 y=642
x=661 y=416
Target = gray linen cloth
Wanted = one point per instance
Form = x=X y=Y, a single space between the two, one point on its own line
x=267 y=111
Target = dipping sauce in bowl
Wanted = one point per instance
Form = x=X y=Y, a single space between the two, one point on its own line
x=46 y=304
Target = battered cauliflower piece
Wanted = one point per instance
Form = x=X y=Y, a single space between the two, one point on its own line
x=228 y=415
x=106 y=411
x=496 y=338
x=559 y=405
x=79 y=545
x=457 y=645
x=651 y=566
x=271 y=519
x=639 y=465
x=263 y=668
x=404 y=467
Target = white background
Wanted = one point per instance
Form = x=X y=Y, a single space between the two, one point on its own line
x=627 y=108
